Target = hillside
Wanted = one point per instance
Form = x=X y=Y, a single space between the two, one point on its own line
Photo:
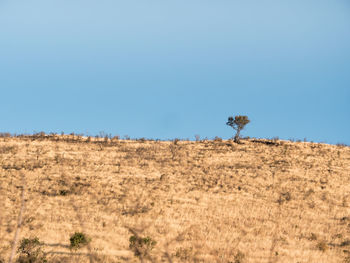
x=206 y=201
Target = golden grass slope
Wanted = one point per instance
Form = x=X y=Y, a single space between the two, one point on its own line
x=208 y=201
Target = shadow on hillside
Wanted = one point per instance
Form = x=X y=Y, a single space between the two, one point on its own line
x=67 y=253
x=266 y=142
x=55 y=245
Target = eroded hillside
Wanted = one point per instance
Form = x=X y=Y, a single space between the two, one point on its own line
x=207 y=201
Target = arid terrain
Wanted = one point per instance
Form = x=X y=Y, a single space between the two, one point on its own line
x=175 y=201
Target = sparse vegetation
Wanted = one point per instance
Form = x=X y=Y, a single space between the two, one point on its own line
x=284 y=197
x=313 y=237
x=239 y=257
x=30 y=251
x=322 y=245
x=206 y=201
x=217 y=139
x=184 y=254
x=141 y=246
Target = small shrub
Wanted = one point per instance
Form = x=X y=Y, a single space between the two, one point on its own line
x=284 y=197
x=141 y=246
x=322 y=245
x=239 y=257
x=5 y=135
x=30 y=251
x=217 y=139
x=41 y=134
x=78 y=240
x=116 y=138
x=312 y=237
x=63 y=192
x=184 y=253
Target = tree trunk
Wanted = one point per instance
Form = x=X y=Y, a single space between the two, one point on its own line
x=236 y=138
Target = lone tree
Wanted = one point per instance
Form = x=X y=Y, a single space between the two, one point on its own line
x=237 y=124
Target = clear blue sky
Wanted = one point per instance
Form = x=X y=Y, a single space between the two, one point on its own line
x=166 y=69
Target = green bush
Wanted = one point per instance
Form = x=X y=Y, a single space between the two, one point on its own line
x=78 y=240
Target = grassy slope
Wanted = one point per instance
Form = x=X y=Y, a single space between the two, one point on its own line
x=205 y=201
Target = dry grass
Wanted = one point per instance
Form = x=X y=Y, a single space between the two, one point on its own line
x=205 y=201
